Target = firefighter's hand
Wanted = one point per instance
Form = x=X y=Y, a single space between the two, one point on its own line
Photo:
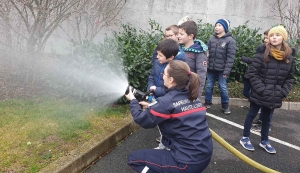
x=130 y=95
x=144 y=104
x=153 y=88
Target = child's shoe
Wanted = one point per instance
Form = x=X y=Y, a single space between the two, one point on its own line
x=247 y=144
x=267 y=146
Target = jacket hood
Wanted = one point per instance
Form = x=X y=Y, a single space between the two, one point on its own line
x=227 y=34
x=180 y=56
x=197 y=47
x=262 y=48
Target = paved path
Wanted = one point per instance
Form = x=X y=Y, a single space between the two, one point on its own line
x=285 y=127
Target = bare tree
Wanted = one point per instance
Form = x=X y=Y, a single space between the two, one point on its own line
x=288 y=12
x=88 y=22
x=35 y=20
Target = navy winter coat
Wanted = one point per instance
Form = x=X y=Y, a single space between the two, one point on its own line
x=271 y=81
x=221 y=53
x=155 y=77
x=182 y=123
x=197 y=61
x=249 y=60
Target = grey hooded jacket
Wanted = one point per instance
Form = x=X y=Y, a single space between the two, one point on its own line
x=197 y=61
x=221 y=53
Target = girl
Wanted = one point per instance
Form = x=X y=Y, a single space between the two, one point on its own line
x=182 y=121
x=271 y=77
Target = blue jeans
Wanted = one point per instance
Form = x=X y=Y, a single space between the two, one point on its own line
x=211 y=80
x=266 y=115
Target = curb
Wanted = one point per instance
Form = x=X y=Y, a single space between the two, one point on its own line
x=244 y=102
x=82 y=161
x=87 y=157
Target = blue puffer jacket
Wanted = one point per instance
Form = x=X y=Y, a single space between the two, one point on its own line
x=197 y=61
x=155 y=78
x=182 y=123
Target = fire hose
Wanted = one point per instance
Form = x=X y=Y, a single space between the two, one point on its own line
x=240 y=155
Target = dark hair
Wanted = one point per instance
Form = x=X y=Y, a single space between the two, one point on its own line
x=266 y=32
x=168 y=47
x=284 y=47
x=180 y=72
x=173 y=28
x=190 y=27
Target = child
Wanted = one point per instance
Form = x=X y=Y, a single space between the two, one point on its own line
x=222 y=49
x=271 y=77
x=247 y=86
x=185 y=132
x=155 y=81
x=194 y=50
x=167 y=50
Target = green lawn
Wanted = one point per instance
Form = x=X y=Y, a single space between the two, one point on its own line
x=35 y=132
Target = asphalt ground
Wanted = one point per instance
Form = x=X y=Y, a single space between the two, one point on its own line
x=285 y=127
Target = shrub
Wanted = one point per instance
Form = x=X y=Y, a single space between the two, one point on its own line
x=247 y=40
x=136 y=48
x=295 y=43
x=205 y=31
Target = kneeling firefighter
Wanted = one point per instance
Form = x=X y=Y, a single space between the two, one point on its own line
x=182 y=121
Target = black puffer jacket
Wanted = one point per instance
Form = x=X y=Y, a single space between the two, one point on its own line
x=221 y=53
x=271 y=81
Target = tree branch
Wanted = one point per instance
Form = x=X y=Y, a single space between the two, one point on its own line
x=21 y=15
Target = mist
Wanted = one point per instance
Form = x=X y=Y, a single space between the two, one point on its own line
x=100 y=78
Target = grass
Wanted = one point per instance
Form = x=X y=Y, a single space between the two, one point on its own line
x=34 y=133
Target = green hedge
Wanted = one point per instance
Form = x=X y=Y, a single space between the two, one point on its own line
x=134 y=49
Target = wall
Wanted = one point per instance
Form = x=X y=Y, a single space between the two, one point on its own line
x=167 y=12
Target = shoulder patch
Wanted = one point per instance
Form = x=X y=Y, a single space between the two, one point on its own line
x=153 y=103
x=204 y=63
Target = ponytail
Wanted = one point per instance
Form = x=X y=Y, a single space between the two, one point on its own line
x=194 y=86
x=184 y=78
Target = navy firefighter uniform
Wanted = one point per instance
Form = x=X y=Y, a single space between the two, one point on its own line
x=185 y=134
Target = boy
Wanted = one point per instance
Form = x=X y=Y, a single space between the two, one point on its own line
x=160 y=60
x=194 y=50
x=222 y=49
x=167 y=50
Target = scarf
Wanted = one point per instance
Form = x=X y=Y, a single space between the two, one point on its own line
x=277 y=54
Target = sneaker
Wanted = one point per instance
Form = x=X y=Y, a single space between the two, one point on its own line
x=207 y=104
x=247 y=144
x=256 y=122
x=157 y=139
x=225 y=108
x=256 y=128
x=226 y=111
x=267 y=146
